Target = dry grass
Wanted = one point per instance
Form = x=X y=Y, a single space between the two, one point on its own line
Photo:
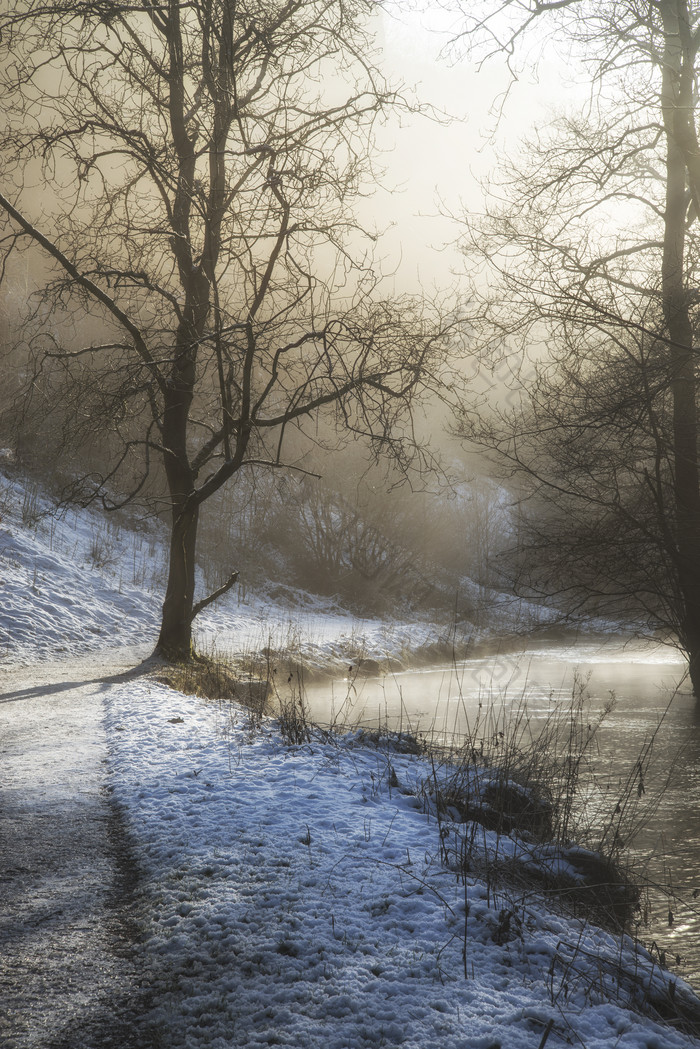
x=213 y=679
x=535 y=780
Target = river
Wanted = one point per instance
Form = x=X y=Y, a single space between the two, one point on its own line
x=652 y=704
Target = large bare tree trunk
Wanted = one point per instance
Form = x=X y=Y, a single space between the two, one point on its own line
x=175 y=638
x=676 y=105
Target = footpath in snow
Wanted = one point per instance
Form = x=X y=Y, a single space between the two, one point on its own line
x=68 y=976
x=290 y=894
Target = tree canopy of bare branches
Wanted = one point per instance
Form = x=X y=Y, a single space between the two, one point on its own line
x=189 y=171
x=589 y=253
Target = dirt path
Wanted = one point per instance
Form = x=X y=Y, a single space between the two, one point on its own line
x=68 y=973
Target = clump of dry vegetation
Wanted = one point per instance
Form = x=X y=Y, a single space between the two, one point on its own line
x=210 y=678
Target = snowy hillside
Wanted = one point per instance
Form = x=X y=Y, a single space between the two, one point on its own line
x=70 y=582
x=75 y=581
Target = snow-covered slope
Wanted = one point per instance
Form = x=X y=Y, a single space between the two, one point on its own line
x=69 y=582
x=75 y=581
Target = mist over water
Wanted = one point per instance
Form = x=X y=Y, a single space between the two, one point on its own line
x=652 y=705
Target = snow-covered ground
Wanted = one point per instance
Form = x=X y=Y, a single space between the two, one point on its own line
x=76 y=581
x=296 y=897
x=296 y=894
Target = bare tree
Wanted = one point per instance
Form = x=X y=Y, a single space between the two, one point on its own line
x=188 y=168
x=595 y=248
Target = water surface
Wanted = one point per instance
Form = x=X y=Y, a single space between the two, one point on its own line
x=653 y=710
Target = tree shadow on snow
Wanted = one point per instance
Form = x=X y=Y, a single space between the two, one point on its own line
x=55 y=688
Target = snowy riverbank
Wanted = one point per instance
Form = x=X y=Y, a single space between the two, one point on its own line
x=297 y=895
x=294 y=896
x=74 y=582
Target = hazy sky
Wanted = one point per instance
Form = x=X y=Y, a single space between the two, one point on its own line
x=427 y=161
